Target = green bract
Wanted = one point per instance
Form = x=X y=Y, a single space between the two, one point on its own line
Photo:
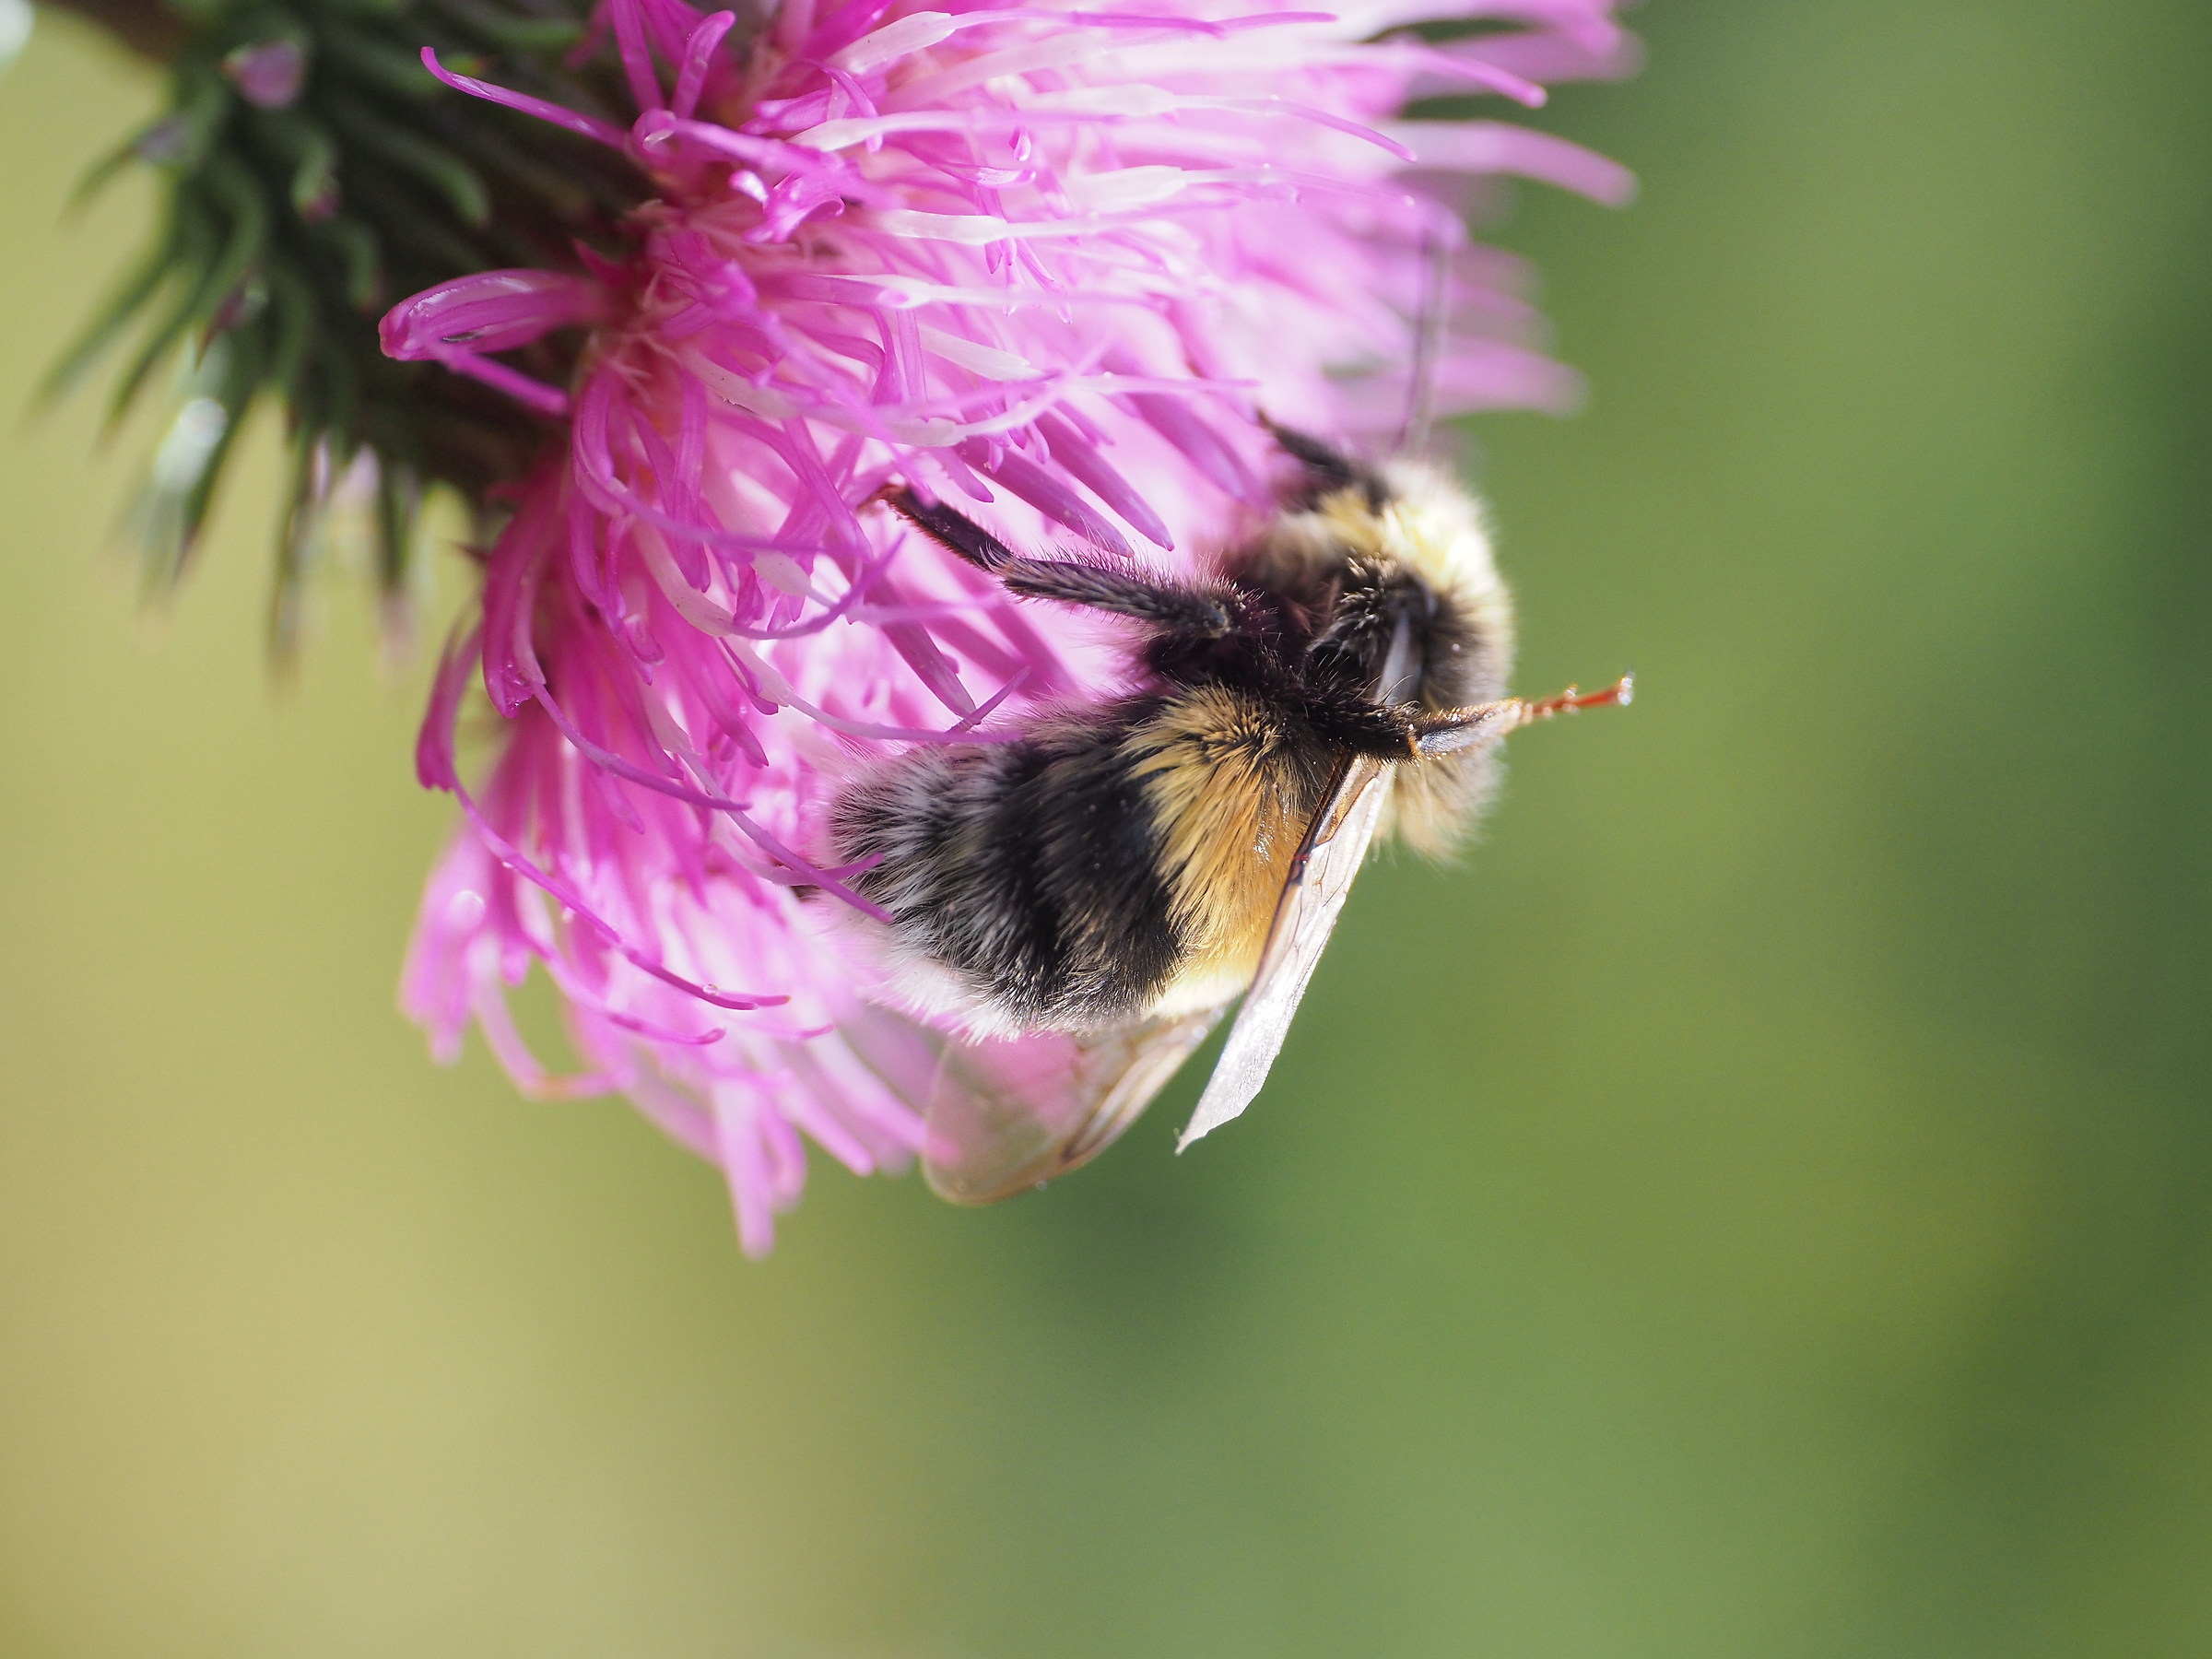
x=313 y=171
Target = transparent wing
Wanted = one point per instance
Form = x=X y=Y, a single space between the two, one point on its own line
x=1321 y=876
x=1005 y=1117
x=1001 y=1117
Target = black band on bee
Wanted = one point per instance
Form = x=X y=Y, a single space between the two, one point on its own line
x=1031 y=870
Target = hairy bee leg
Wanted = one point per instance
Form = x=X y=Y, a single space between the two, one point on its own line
x=1328 y=469
x=1428 y=735
x=952 y=529
x=1457 y=729
x=1190 y=612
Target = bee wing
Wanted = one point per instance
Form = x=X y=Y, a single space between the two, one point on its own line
x=1000 y=1117
x=1005 y=1117
x=1320 y=878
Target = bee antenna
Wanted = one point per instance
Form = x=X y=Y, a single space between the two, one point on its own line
x=1428 y=346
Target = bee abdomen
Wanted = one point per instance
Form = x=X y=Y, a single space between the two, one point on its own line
x=1029 y=873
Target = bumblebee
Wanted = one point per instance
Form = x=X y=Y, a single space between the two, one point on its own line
x=1109 y=883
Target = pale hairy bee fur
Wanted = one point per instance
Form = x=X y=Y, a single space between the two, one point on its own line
x=1431 y=525
x=1123 y=860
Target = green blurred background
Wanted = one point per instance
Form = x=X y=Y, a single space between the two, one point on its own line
x=1761 y=1206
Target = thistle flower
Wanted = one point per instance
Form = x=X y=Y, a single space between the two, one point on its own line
x=1060 y=265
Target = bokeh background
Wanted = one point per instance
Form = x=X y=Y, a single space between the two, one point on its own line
x=1759 y=1205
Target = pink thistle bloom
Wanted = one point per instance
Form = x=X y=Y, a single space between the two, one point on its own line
x=1053 y=264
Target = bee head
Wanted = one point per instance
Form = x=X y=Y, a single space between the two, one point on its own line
x=1392 y=572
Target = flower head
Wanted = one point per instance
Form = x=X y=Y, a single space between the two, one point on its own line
x=1058 y=265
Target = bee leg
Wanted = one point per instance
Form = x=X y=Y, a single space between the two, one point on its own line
x=1405 y=733
x=1189 y=612
x=952 y=529
x=1328 y=469
x=1455 y=729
